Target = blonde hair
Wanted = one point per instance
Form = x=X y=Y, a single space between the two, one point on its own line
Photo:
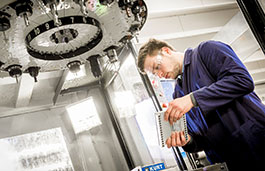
x=151 y=48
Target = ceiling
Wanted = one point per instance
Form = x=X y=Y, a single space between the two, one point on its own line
x=180 y=22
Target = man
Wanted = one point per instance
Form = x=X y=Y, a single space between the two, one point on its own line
x=225 y=117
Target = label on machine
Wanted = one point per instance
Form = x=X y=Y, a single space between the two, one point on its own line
x=155 y=167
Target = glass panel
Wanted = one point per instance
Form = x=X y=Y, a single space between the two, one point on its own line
x=135 y=112
x=77 y=137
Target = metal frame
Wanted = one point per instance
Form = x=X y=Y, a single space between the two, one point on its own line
x=117 y=128
x=255 y=17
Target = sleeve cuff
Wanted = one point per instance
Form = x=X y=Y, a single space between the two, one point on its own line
x=190 y=146
x=193 y=100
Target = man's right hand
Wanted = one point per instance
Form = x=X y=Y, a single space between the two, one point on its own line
x=177 y=108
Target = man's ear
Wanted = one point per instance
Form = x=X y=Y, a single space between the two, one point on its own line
x=166 y=50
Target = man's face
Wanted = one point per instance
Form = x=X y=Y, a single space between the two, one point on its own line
x=162 y=65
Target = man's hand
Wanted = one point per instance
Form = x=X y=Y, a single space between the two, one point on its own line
x=177 y=139
x=177 y=108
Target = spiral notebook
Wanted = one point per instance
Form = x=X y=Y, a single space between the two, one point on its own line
x=164 y=129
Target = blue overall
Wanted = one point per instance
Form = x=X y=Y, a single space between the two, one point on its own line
x=229 y=124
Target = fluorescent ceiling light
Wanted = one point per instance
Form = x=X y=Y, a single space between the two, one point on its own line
x=83 y=116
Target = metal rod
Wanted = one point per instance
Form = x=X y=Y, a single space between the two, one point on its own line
x=191 y=160
x=177 y=159
x=183 y=164
x=16 y=79
x=117 y=129
x=26 y=19
x=5 y=38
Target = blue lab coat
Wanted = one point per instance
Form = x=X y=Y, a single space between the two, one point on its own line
x=229 y=124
